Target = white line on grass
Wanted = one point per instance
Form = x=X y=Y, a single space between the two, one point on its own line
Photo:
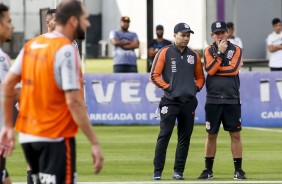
x=183 y=182
x=264 y=129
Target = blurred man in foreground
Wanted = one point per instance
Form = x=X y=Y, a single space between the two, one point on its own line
x=51 y=101
x=6 y=30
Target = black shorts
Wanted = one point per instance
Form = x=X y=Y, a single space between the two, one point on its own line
x=125 y=68
x=52 y=162
x=3 y=171
x=228 y=114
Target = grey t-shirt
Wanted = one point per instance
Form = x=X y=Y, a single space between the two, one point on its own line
x=122 y=56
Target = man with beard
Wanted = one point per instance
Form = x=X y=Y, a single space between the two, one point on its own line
x=6 y=30
x=222 y=62
x=178 y=71
x=51 y=24
x=125 y=60
x=155 y=45
x=50 y=20
x=51 y=100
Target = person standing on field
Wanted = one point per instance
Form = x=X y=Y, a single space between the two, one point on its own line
x=274 y=46
x=51 y=25
x=125 y=42
x=6 y=31
x=50 y=20
x=51 y=100
x=231 y=37
x=155 y=45
x=222 y=61
x=178 y=71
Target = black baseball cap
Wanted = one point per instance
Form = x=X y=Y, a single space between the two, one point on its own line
x=218 y=26
x=183 y=28
x=159 y=27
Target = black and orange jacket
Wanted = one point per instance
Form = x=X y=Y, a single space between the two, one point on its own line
x=180 y=75
x=223 y=81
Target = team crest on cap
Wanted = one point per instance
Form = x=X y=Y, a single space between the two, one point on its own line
x=218 y=25
x=186 y=26
x=190 y=59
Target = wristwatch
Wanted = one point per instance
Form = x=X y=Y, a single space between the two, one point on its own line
x=219 y=53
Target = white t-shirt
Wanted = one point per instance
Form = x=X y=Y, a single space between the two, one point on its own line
x=5 y=63
x=275 y=58
x=236 y=41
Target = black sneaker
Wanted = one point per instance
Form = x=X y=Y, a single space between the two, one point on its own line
x=177 y=176
x=157 y=176
x=206 y=175
x=239 y=175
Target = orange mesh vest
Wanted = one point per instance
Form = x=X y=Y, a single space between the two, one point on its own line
x=43 y=108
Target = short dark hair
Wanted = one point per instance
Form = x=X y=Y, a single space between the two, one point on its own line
x=275 y=21
x=229 y=25
x=66 y=9
x=51 y=11
x=3 y=8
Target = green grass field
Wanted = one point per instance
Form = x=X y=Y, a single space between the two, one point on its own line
x=106 y=66
x=129 y=152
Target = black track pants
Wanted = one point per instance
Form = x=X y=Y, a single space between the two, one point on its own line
x=169 y=112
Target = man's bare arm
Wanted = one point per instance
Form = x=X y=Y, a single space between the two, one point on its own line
x=77 y=108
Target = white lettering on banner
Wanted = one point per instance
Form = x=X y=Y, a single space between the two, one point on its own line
x=128 y=92
x=121 y=116
x=111 y=116
x=279 y=87
x=271 y=115
x=265 y=89
x=141 y=116
x=99 y=92
x=151 y=93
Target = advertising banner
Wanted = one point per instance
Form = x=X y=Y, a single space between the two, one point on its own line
x=131 y=99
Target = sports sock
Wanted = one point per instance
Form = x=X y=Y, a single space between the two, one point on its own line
x=209 y=163
x=28 y=177
x=237 y=163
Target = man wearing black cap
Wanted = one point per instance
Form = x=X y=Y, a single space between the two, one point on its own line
x=222 y=62
x=155 y=45
x=125 y=59
x=178 y=71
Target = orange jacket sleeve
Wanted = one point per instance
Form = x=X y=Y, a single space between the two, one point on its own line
x=212 y=63
x=199 y=73
x=157 y=68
